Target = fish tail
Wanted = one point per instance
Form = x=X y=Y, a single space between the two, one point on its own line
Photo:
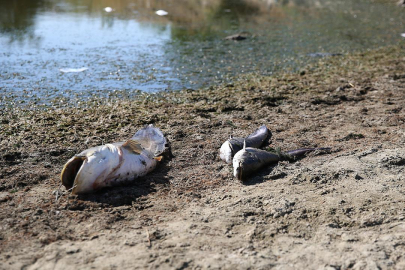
x=299 y=153
x=151 y=139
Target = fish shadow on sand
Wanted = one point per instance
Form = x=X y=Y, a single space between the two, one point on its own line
x=264 y=175
x=129 y=192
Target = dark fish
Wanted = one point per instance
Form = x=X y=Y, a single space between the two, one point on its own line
x=249 y=160
x=257 y=139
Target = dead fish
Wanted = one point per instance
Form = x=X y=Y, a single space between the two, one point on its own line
x=110 y=164
x=249 y=160
x=233 y=145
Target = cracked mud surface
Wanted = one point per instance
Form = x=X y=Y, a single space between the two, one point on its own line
x=343 y=210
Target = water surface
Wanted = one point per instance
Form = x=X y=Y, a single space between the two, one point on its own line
x=132 y=49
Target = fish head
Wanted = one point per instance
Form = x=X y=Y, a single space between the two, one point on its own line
x=239 y=164
x=85 y=172
x=226 y=152
x=245 y=162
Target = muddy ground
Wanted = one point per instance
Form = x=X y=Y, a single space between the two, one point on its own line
x=343 y=210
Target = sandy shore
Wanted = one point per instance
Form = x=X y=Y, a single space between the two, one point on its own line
x=343 y=210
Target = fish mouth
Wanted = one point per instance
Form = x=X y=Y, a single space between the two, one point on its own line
x=70 y=171
x=239 y=172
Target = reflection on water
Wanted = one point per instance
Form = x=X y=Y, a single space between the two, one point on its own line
x=17 y=19
x=132 y=48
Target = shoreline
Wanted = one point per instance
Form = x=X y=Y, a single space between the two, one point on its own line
x=323 y=83
x=244 y=80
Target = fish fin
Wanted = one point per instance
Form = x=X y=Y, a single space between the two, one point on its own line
x=244 y=144
x=151 y=139
x=230 y=145
x=133 y=146
x=159 y=158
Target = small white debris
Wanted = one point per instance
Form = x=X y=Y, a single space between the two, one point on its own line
x=108 y=9
x=403 y=35
x=73 y=70
x=162 y=12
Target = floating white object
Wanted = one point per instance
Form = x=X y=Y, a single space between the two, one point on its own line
x=403 y=35
x=162 y=12
x=74 y=70
x=108 y=9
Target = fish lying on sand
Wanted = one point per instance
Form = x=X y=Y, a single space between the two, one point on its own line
x=249 y=160
x=257 y=139
x=110 y=164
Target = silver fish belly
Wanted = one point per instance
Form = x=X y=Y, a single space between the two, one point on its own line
x=110 y=164
x=234 y=144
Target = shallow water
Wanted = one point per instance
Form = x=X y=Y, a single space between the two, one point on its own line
x=59 y=52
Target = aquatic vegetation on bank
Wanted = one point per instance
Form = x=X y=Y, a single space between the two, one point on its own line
x=65 y=123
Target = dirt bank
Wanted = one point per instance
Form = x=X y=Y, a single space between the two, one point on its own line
x=344 y=210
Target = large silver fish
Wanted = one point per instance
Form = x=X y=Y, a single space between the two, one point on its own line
x=110 y=164
x=249 y=160
x=234 y=144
